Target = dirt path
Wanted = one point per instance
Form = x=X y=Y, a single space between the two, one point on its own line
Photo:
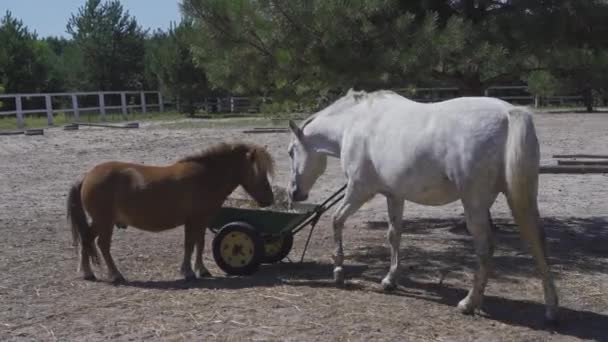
x=43 y=298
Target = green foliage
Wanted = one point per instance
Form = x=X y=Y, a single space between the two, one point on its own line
x=169 y=64
x=542 y=83
x=111 y=44
x=24 y=64
x=303 y=54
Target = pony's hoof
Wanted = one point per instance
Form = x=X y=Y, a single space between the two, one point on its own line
x=551 y=317
x=190 y=278
x=90 y=277
x=118 y=280
x=204 y=274
x=388 y=285
x=339 y=276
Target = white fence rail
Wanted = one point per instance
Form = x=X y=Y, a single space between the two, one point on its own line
x=75 y=109
x=519 y=94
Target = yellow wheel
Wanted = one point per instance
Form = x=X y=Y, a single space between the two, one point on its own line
x=276 y=248
x=238 y=249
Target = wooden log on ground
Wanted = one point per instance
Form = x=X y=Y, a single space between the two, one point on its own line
x=573 y=169
x=582 y=162
x=588 y=156
x=70 y=127
x=125 y=126
x=14 y=132
x=37 y=131
x=266 y=130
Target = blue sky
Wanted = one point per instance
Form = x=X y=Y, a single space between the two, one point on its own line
x=49 y=17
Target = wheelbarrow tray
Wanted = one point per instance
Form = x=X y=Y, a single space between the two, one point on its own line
x=267 y=222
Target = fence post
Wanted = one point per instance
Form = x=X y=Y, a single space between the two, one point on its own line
x=123 y=104
x=49 y=109
x=102 y=106
x=19 y=111
x=75 y=107
x=161 y=105
x=486 y=92
x=231 y=104
x=536 y=101
x=142 y=101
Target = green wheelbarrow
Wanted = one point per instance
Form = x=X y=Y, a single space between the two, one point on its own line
x=245 y=238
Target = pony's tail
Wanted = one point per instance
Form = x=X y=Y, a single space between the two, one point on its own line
x=522 y=163
x=81 y=230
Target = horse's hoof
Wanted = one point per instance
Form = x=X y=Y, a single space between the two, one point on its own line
x=466 y=306
x=90 y=277
x=388 y=285
x=339 y=276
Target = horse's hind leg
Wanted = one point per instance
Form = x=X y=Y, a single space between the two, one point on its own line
x=478 y=224
x=199 y=267
x=190 y=236
x=104 y=242
x=395 y=217
x=534 y=234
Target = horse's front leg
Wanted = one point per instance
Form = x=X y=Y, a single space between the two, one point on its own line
x=395 y=218
x=478 y=224
x=351 y=203
x=190 y=237
x=199 y=267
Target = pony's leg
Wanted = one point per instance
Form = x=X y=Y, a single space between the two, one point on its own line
x=352 y=201
x=395 y=218
x=104 y=242
x=190 y=237
x=85 y=264
x=478 y=224
x=199 y=267
x=534 y=234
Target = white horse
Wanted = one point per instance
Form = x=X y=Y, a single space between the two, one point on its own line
x=469 y=148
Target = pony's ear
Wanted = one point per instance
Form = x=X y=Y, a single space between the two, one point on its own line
x=251 y=155
x=297 y=131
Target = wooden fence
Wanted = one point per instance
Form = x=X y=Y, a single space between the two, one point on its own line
x=102 y=108
x=515 y=94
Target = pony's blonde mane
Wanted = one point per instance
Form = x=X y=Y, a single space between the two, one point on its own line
x=263 y=161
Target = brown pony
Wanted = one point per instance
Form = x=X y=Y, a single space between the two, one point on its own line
x=156 y=198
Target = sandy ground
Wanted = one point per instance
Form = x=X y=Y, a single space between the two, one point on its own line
x=43 y=298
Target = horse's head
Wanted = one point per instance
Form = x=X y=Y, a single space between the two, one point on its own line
x=258 y=166
x=306 y=165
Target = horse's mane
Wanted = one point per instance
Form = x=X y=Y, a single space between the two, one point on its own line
x=351 y=98
x=263 y=161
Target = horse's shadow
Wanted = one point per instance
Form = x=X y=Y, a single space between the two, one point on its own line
x=574 y=243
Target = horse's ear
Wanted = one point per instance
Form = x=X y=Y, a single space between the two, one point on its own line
x=297 y=131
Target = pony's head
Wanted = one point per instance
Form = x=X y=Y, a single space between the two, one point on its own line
x=306 y=165
x=257 y=167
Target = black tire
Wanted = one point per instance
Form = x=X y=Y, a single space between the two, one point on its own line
x=238 y=249
x=273 y=254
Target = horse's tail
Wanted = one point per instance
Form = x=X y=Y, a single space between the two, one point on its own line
x=81 y=230
x=522 y=163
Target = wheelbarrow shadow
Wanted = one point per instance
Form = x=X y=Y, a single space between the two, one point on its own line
x=282 y=273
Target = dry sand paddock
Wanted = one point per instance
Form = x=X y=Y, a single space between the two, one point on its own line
x=43 y=298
